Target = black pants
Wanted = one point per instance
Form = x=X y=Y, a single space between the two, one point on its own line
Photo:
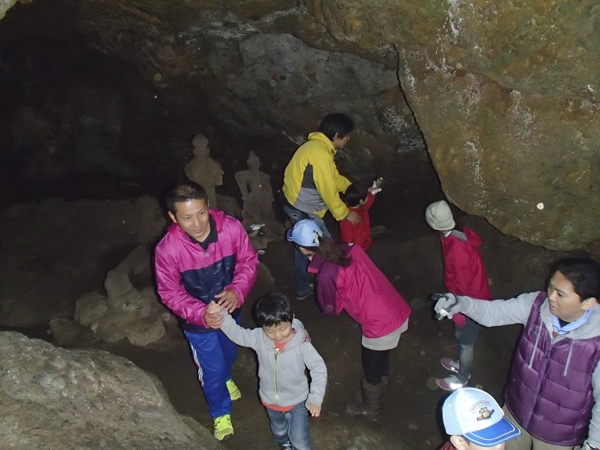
x=376 y=364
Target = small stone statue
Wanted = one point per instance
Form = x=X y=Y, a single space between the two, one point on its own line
x=257 y=194
x=204 y=170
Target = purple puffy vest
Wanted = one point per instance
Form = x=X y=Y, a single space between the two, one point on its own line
x=553 y=399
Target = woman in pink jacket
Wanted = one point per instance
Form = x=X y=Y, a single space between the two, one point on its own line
x=348 y=280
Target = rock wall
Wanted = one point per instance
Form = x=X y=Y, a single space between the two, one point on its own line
x=505 y=94
x=53 y=398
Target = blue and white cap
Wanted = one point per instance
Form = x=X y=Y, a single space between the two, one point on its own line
x=474 y=414
x=305 y=233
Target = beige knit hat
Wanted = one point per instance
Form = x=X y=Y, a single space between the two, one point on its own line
x=439 y=217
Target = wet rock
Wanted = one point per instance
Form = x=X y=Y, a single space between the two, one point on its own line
x=90 y=308
x=111 y=328
x=66 y=332
x=55 y=399
x=143 y=332
x=508 y=128
x=230 y=206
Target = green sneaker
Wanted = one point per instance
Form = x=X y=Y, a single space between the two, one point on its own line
x=234 y=391
x=223 y=428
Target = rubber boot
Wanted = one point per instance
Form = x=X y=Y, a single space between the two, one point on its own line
x=372 y=399
x=358 y=395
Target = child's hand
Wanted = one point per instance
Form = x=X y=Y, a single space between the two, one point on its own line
x=315 y=410
x=213 y=308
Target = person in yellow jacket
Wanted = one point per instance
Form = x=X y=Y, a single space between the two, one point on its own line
x=312 y=185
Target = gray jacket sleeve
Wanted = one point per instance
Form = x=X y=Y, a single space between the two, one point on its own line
x=241 y=336
x=498 y=312
x=316 y=366
x=318 y=374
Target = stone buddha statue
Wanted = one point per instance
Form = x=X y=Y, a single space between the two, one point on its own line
x=257 y=194
x=204 y=170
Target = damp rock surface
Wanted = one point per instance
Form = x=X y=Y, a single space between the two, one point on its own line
x=53 y=398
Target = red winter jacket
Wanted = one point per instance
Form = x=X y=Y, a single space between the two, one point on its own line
x=362 y=290
x=358 y=234
x=464 y=272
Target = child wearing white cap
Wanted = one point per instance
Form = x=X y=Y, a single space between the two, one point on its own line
x=474 y=421
x=464 y=274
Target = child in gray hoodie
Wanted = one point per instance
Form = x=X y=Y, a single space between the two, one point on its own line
x=284 y=350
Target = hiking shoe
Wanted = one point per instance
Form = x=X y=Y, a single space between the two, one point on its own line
x=310 y=292
x=450 y=364
x=234 y=391
x=450 y=383
x=286 y=446
x=223 y=428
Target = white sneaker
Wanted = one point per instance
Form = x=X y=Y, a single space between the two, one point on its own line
x=450 y=383
x=450 y=364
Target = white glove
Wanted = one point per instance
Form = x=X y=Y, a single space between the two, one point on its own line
x=446 y=305
x=375 y=188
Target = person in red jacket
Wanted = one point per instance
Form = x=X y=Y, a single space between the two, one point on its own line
x=359 y=199
x=348 y=280
x=464 y=274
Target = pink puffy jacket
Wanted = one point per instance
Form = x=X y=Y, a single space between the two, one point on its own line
x=362 y=290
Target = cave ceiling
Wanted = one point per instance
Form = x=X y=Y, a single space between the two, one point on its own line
x=502 y=97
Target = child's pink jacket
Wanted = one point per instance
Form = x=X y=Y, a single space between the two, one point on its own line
x=362 y=290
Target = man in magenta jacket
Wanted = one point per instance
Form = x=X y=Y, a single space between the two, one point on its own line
x=205 y=256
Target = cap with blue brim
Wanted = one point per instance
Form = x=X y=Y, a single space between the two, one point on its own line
x=474 y=414
x=305 y=233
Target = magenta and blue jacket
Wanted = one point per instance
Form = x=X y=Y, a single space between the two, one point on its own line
x=362 y=290
x=188 y=277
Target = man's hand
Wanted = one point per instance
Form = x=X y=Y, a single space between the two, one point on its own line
x=446 y=305
x=214 y=316
x=353 y=218
x=315 y=410
x=228 y=300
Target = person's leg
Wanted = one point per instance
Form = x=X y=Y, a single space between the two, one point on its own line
x=213 y=371
x=229 y=350
x=299 y=435
x=466 y=337
x=376 y=364
x=371 y=385
x=319 y=221
x=300 y=261
x=279 y=426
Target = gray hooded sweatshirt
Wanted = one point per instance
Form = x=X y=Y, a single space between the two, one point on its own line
x=281 y=373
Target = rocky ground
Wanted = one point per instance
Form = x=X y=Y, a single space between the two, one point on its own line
x=408 y=252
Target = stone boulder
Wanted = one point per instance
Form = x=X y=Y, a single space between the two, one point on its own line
x=506 y=95
x=59 y=399
x=125 y=312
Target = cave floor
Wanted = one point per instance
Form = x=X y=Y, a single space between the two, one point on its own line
x=411 y=417
x=409 y=254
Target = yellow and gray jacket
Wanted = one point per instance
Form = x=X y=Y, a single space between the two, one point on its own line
x=312 y=183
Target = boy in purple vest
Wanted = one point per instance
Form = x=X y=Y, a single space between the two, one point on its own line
x=553 y=387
